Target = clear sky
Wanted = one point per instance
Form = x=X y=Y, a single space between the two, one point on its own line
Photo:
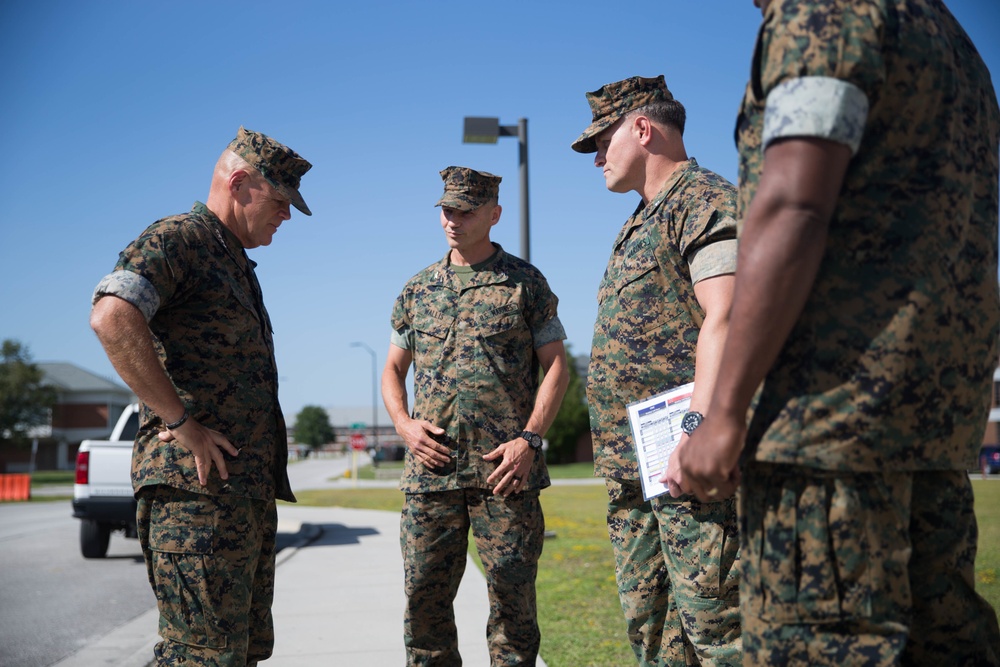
x=113 y=113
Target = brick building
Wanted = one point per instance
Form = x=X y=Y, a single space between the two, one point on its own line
x=87 y=407
x=992 y=434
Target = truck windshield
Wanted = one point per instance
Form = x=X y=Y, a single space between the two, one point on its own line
x=131 y=427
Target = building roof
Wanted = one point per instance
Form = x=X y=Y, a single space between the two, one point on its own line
x=68 y=377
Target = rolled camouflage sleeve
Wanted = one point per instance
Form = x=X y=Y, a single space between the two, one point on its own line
x=151 y=268
x=131 y=287
x=824 y=70
x=400 y=318
x=718 y=259
x=708 y=234
x=816 y=106
x=542 y=315
x=402 y=331
x=548 y=332
x=402 y=339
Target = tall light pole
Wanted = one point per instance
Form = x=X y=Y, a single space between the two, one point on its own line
x=374 y=394
x=479 y=130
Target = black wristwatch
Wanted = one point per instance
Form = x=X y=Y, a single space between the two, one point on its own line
x=534 y=440
x=691 y=421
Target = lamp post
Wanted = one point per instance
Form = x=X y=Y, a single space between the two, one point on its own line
x=374 y=395
x=479 y=130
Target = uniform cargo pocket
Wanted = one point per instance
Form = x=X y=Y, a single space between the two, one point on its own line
x=181 y=539
x=813 y=554
x=182 y=565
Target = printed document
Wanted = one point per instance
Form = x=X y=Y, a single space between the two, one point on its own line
x=656 y=432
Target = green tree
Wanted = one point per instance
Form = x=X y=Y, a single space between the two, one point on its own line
x=24 y=401
x=572 y=420
x=312 y=426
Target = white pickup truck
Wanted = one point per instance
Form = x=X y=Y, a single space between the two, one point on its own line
x=102 y=494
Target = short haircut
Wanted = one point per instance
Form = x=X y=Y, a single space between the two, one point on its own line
x=230 y=162
x=666 y=112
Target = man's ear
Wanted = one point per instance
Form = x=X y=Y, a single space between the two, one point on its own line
x=237 y=181
x=643 y=129
x=495 y=217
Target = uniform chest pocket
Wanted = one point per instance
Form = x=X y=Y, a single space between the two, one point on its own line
x=244 y=299
x=646 y=300
x=225 y=314
x=506 y=341
x=435 y=326
x=430 y=331
x=635 y=267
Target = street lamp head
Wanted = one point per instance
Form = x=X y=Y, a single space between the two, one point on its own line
x=480 y=130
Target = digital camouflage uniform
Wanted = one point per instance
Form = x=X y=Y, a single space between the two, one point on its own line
x=859 y=537
x=676 y=559
x=209 y=549
x=475 y=376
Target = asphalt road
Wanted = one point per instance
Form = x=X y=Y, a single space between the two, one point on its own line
x=52 y=600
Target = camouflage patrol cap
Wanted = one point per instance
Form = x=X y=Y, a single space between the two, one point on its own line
x=278 y=164
x=613 y=100
x=466 y=189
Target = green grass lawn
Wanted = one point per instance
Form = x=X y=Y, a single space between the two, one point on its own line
x=52 y=477
x=988 y=557
x=578 y=610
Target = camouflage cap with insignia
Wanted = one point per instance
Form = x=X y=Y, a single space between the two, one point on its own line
x=278 y=164
x=466 y=189
x=613 y=100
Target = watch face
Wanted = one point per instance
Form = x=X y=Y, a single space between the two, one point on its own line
x=534 y=440
x=690 y=422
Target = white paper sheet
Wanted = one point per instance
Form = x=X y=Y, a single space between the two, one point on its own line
x=656 y=432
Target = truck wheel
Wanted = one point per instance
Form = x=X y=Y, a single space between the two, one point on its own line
x=94 y=538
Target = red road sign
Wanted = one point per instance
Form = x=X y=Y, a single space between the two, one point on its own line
x=357 y=441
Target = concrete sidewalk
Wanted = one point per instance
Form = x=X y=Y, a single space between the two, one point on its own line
x=338 y=593
x=339 y=600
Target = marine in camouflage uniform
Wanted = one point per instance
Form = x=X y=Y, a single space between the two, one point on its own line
x=477 y=326
x=183 y=320
x=661 y=317
x=867 y=301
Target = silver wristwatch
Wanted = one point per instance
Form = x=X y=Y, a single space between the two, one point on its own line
x=690 y=421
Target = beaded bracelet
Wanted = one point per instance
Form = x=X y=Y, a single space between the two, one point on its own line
x=178 y=423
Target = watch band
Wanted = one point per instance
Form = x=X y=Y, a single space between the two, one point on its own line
x=178 y=423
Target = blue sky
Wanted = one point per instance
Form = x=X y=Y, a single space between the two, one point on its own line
x=113 y=113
